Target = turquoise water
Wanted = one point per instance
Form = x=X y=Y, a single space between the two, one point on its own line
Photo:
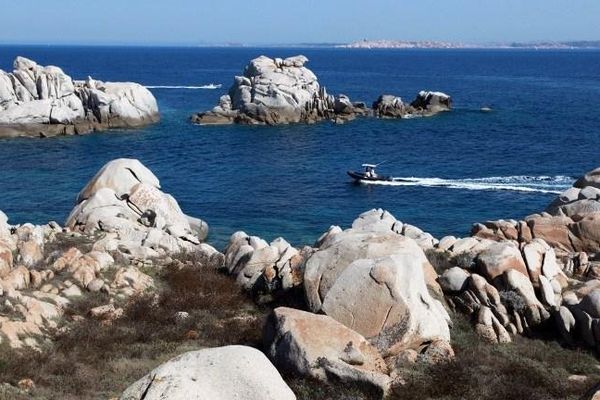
x=290 y=181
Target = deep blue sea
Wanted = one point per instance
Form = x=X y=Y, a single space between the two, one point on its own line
x=290 y=181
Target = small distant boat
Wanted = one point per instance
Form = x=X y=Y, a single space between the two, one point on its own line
x=212 y=86
x=369 y=174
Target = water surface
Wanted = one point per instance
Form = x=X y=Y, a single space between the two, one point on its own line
x=290 y=181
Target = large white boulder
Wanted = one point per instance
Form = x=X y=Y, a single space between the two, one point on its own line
x=124 y=199
x=387 y=301
x=221 y=373
x=118 y=104
x=374 y=234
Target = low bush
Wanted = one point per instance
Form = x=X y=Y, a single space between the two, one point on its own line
x=529 y=369
x=89 y=359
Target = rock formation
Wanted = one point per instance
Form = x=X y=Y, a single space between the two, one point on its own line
x=124 y=203
x=279 y=91
x=571 y=223
x=124 y=221
x=44 y=101
x=425 y=104
x=38 y=283
x=291 y=338
x=267 y=268
x=375 y=279
x=220 y=373
x=523 y=274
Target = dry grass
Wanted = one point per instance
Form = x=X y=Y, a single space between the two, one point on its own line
x=92 y=359
x=310 y=389
x=441 y=260
x=529 y=369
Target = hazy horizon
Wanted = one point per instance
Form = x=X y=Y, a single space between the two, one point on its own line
x=284 y=22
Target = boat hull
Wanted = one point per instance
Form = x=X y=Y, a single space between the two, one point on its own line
x=361 y=177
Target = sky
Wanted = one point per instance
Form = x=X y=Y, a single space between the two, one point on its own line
x=201 y=22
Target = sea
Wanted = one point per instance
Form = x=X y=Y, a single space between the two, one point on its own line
x=460 y=167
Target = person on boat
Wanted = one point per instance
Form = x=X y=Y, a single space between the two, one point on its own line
x=370 y=171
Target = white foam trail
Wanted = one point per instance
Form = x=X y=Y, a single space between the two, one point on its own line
x=209 y=87
x=518 y=183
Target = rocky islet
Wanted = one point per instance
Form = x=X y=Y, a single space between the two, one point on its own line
x=44 y=101
x=274 y=91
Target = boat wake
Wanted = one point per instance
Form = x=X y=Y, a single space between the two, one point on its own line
x=208 y=87
x=518 y=183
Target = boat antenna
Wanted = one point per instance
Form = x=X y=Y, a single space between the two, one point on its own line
x=377 y=165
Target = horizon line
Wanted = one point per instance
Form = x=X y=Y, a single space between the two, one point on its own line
x=489 y=44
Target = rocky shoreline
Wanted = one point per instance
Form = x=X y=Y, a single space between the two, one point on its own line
x=358 y=306
x=43 y=101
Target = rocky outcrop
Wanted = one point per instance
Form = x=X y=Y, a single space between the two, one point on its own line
x=581 y=199
x=429 y=103
x=122 y=222
x=375 y=279
x=37 y=284
x=507 y=288
x=262 y=267
x=44 y=101
x=524 y=272
x=125 y=204
x=425 y=104
x=296 y=341
x=279 y=91
x=221 y=373
x=277 y=267
x=571 y=223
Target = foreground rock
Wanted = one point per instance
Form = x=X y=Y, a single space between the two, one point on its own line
x=222 y=373
x=37 y=284
x=279 y=91
x=318 y=346
x=124 y=203
x=425 y=104
x=44 y=101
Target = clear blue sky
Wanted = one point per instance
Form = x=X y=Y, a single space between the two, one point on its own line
x=294 y=21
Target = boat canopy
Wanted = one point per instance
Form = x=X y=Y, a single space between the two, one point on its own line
x=370 y=165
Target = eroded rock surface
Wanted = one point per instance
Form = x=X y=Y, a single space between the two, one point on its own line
x=319 y=346
x=279 y=91
x=44 y=101
x=220 y=373
x=124 y=203
x=425 y=104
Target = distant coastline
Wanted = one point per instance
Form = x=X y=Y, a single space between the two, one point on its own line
x=361 y=44
x=434 y=44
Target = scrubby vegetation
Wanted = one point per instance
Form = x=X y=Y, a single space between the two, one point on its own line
x=530 y=369
x=89 y=359
x=441 y=260
x=93 y=359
